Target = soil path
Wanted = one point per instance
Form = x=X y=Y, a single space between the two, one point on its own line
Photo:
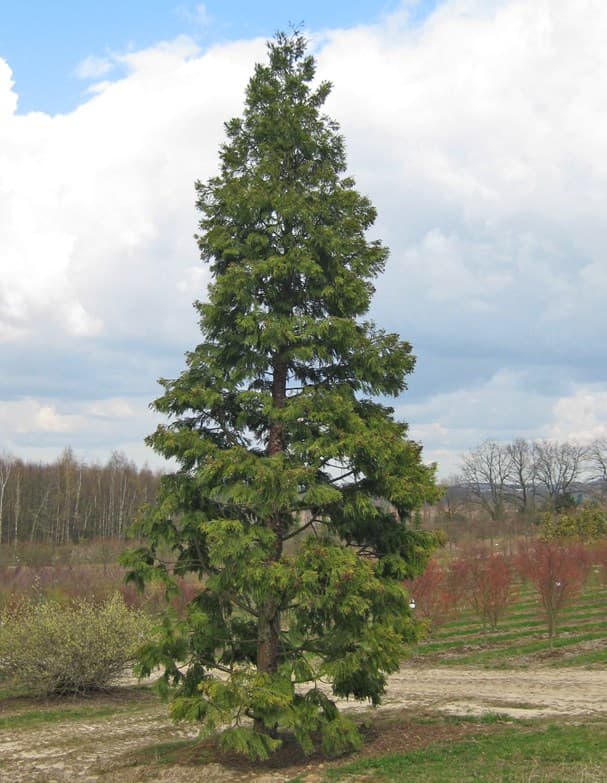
x=94 y=750
x=518 y=693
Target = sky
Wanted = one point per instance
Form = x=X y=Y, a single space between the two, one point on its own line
x=478 y=128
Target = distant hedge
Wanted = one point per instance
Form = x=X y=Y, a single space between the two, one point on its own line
x=585 y=524
x=50 y=649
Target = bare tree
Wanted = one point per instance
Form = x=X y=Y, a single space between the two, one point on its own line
x=68 y=500
x=597 y=459
x=557 y=467
x=488 y=473
x=453 y=500
x=6 y=467
x=523 y=472
x=17 y=501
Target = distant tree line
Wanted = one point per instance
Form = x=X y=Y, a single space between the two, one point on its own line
x=501 y=488
x=70 y=500
x=508 y=486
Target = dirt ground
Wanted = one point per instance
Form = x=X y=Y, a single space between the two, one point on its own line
x=112 y=749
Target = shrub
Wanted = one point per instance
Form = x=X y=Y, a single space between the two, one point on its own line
x=430 y=596
x=51 y=649
x=456 y=584
x=557 y=572
x=599 y=559
x=588 y=523
x=490 y=586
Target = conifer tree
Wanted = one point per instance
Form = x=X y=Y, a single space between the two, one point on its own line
x=293 y=489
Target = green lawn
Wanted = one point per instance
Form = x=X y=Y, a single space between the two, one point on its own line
x=517 y=754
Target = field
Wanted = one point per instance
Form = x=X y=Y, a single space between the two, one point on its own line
x=436 y=725
x=520 y=639
x=506 y=705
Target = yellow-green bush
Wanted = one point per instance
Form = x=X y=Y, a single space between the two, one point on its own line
x=587 y=523
x=47 y=648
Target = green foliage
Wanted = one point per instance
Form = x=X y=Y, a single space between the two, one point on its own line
x=588 y=523
x=48 y=648
x=276 y=439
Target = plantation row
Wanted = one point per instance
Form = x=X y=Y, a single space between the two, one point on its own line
x=488 y=583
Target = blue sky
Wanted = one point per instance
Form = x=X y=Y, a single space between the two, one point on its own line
x=476 y=127
x=45 y=42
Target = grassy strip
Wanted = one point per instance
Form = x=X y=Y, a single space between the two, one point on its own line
x=41 y=717
x=26 y=717
x=559 y=754
x=175 y=753
x=503 y=635
x=589 y=658
x=469 y=623
x=496 y=655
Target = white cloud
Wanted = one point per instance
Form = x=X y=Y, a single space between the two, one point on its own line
x=509 y=404
x=581 y=416
x=201 y=15
x=8 y=98
x=483 y=125
x=193 y=280
x=98 y=87
x=29 y=416
x=93 y=67
x=111 y=409
x=161 y=60
x=198 y=16
x=41 y=428
x=100 y=202
x=480 y=137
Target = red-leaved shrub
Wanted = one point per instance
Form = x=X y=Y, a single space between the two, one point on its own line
x=489 y=583
x=430 y=596
x=557 y=571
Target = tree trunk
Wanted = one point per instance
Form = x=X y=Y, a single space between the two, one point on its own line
x=268 y=625
x=5 y=472
x=279 y=395
x=17 y=510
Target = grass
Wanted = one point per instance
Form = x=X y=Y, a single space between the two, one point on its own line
x=402 y=746
x=499 y=656
x=36 y=718
x=175 y=752
x=520 y=754
x=17 y=712
x=385 y=732
x=495 y=749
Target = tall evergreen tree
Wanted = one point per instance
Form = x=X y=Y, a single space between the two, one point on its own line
x=293 y=491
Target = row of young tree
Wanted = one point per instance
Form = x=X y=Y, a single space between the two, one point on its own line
x=69 y=500
x=488 y=582
x=524 y=478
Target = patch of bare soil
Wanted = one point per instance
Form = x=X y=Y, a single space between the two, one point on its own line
x=518 y=693
x=140 y=744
